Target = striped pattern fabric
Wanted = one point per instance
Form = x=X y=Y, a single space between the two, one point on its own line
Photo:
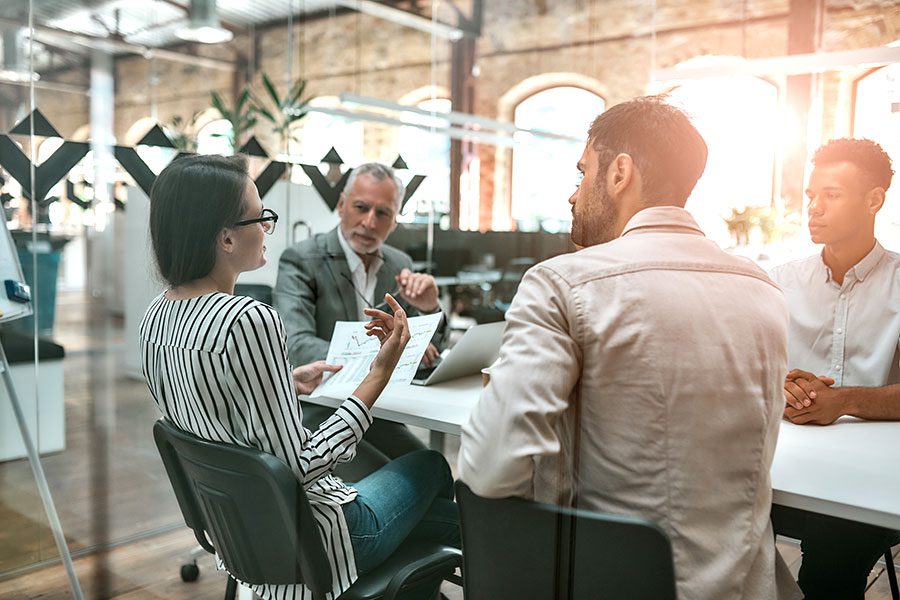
x=217 y=367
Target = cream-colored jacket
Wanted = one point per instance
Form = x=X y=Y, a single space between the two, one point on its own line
x=665 y=357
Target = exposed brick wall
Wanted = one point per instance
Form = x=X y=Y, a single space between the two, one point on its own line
x=608 y=41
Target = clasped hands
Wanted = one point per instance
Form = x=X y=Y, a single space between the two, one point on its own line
x=392 y=332
x=810 y=399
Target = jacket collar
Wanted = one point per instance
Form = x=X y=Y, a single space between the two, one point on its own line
x=668 y=218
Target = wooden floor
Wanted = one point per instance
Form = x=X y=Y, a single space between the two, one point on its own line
x=117 y=494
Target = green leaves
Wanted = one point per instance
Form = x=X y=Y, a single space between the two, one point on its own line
x=242 y=117
x=281 y=112
x=178 y=127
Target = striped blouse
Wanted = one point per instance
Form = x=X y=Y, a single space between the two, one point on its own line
x=217 y=366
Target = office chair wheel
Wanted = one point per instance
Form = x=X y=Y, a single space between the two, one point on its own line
x=190 y=572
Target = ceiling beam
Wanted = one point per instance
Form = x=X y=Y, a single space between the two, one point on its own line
x=402 y=17
x=54 y=36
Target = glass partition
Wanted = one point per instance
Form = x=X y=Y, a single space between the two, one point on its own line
x=877 y=117
x=488 y=105
x=24 y=525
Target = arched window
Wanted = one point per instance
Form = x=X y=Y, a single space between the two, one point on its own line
x=543 y=170
x=738 y=117
x=215 y=138
x=877 y=117
x=427 y=154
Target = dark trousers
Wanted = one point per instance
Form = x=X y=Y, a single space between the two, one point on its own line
x=838 y=555
x=383 y=441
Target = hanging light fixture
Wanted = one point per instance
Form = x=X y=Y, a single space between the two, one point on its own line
x=204 y=26
x=13 y=68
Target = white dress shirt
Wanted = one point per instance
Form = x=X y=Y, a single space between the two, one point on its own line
x=363 y=281
x=661 y=358
x=850 y=332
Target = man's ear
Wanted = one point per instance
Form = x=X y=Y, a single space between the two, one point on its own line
x=620 y=174
x=340 y=205
x=875 y=200
x=394 y=226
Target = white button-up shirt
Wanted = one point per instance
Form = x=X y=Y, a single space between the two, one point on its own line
x=850 y=332
x=363 y=281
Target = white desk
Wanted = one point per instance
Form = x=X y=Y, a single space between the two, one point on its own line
x=441 y=408
x=469 y=278
x=848 y=470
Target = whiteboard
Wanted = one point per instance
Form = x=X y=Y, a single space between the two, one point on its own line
x=10 y=269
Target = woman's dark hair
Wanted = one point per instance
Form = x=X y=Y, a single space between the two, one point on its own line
x=192 y=200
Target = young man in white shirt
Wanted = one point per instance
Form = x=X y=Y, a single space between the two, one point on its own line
x=844 y=346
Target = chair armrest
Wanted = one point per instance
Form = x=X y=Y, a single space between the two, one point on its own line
x=433 y=565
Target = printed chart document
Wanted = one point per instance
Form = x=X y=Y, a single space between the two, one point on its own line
x=351 y=347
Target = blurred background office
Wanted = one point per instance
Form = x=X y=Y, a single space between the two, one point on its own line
x=482 y=106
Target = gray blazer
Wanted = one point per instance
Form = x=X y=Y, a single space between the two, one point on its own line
x=314 y=290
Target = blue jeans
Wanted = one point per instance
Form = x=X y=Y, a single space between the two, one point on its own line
x=410 y=497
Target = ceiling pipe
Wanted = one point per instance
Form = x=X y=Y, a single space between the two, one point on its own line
x=55 y=36
x=402 y=17
x=794 y=64
x=52 y=86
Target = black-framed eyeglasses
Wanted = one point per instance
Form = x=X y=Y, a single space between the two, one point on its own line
x=268 y=220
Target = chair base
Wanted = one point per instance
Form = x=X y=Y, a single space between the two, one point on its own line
x=440 y=563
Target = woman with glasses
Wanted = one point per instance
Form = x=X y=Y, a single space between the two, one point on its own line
x=217 y=366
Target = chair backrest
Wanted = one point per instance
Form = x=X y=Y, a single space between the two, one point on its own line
x=257 y=291
x=514 y=548
x=506 y=288
x=250 y=505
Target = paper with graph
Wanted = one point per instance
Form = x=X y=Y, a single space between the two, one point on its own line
x=351 y=347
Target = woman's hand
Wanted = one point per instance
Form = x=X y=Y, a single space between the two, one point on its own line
x=308 y=377
x=392 y=332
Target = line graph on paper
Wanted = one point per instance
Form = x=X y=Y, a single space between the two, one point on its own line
x=352 y=348
x=360 y=344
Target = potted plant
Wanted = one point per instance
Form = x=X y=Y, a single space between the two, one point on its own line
x=281 y=112
x=242 y=116
x=178 y=128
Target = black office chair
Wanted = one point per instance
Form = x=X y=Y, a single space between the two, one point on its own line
x=513 y=549
x=891 y=573
x=249 y=507
x=257 y=291
x=504 y=290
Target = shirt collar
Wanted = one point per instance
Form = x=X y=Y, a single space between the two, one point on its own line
x=665 y=217
x=354 y=262
x=865 y=266
x=861 y=269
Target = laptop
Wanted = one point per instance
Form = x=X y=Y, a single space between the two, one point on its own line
x=478 y=348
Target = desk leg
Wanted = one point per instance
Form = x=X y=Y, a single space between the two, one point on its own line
x=436 y=440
